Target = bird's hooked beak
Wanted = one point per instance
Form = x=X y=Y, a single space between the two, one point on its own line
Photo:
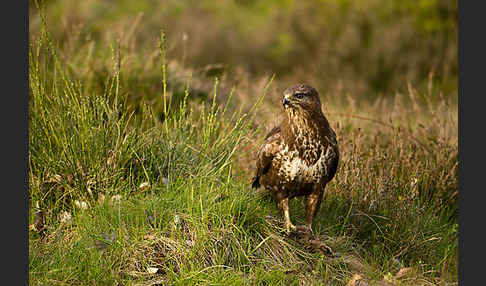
x=286 y=101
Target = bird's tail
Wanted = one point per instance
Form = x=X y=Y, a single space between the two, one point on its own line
x=256 y=182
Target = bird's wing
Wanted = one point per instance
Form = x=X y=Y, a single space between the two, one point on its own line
x=266 y=153
x=334 y=165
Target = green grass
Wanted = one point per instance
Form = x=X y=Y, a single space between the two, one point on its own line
x=166 y=181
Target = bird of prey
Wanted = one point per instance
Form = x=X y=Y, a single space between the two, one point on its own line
x=299 y=156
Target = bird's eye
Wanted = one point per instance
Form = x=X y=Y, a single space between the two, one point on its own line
x=299 y=95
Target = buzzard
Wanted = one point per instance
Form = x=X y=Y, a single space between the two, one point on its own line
x=299 y=156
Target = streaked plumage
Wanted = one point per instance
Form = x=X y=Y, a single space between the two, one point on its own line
x=300 y=155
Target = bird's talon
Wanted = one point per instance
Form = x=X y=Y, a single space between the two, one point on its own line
x=303 y=228
x=290 y=228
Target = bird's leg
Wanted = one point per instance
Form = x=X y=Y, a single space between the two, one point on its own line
x=284 y=207
x=312 y=205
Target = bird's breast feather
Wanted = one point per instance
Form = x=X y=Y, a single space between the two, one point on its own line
x=295 y=167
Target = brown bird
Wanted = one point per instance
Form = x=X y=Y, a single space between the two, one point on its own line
x=299 y=156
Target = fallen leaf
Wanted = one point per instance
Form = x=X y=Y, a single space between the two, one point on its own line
x=357 y=280
x=403 y=272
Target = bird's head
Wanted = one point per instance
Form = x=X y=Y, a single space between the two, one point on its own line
x=301 y=99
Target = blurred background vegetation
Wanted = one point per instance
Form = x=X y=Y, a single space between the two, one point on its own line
x=366 y=48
